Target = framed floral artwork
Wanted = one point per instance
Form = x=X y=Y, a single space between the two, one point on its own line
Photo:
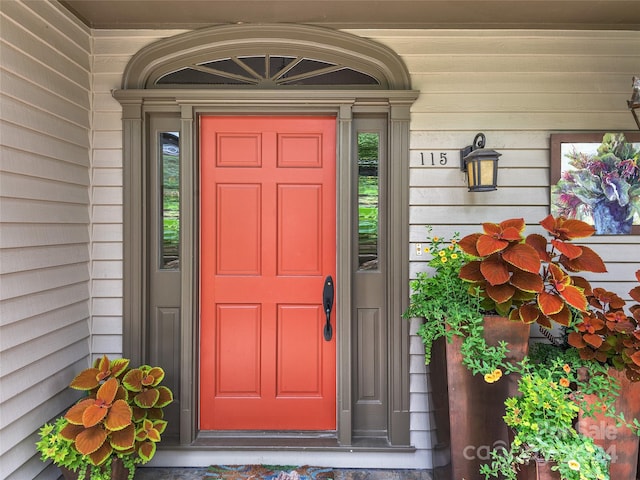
x=595 y=177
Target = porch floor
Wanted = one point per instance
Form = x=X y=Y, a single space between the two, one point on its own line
x=341 y=474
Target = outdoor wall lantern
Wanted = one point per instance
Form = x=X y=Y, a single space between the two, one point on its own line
x=634 y=103
x=481 y=165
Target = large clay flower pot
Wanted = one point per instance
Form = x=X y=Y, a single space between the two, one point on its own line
x=118 y=471
x=538 y=470
x=473 y=407
x=619 y=442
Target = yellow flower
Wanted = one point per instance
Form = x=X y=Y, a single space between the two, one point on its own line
x=546 y=405
x=490 y=377
x=450 y=247
x=454 y=241
x=443 y=259
x=497 y=373
x=566 y=368
x=573 y=465
x=564 y=382
x=454 y=256
x=436 y=239
x=442 y=253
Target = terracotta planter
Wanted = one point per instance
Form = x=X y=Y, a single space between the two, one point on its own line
x=619 y=442
x=118 y=471
x=538 y=470
x=469 y=418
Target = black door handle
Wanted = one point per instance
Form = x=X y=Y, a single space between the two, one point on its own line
x=327 y=303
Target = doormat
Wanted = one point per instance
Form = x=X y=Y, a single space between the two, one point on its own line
x=268 y=472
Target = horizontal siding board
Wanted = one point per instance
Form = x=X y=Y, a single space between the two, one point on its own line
x=34 y=211
x=25 y=283
x=58 y=16
x=471 y=63
x=106 y=269
x=513 y=177
x=501 y=102
x=106 y=251
x=56 y=30
x=498 y=140
x=34 y=188
x=107 y=214
x=106 y=306
x=107 y=195
x=104 y=325
x=43 y=122
x=52 y=168
x=519 y=82
x=18 y=333
x=34 y=235
x=511 y=158
x=39 y=50
x=614 y=119
x=434 y=195
x=16 y=309
x=24 y=259
x=42 y=145
x=111 y=158
x=20 y=356
x=107 y=232
x=36 y=96
x=107 y=177
x=35 y=72
x=106 y=288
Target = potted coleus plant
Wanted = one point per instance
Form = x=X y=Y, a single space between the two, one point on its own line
x=531 y=279
x=114 y=428
x=469 y=353
x=545 y=443
x=610 y=335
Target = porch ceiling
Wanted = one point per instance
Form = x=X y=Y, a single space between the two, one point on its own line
x=534 y=14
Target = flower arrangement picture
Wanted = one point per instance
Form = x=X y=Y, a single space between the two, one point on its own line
x=115 y=427
x=603 y=188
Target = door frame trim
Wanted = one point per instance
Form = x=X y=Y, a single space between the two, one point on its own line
x=138 y=104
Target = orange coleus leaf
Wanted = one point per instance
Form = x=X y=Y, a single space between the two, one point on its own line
x=471 y=272
x=635 y=293
x=592 y=339
x=468 y=244
x=522 y=256
x=86 y=380
x=151 y=376
x=103 y=366
x=528 y=313
x=100 y=456
x=635 y=358
x=146 y=451
x=588 y=261
x=512 y=228
x=495 y=270
x=488 y=245
x=147 y=398
x=71 y=431
x=549 y=303
x=138 y=413
x=583 y=284
x=165 y=398
x=160 y=425
x=567 y=249
x=567 y=229
x=539 y=243
x=94 y=414
x=529 y=282
x=118 y=366
x=500 y=293
x=563 y=317
x=575 y=297
x=133 y=380
x=74 y=414
x=107 y=392
x=575 y=340
x=154 y=413
x=123 y=439
x=119 y=416
x=90 y=440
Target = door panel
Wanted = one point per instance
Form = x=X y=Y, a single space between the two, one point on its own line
x=268 y=240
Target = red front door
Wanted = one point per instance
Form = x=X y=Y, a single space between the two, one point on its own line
x=268 y=241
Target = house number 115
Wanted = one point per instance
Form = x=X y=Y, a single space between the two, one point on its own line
x=442 y=159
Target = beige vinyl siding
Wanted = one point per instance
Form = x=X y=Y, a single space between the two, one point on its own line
x=517 y=87
x=112 y=49
x=44 y=214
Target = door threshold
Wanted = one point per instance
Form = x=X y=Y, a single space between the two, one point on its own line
x=267 y=439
